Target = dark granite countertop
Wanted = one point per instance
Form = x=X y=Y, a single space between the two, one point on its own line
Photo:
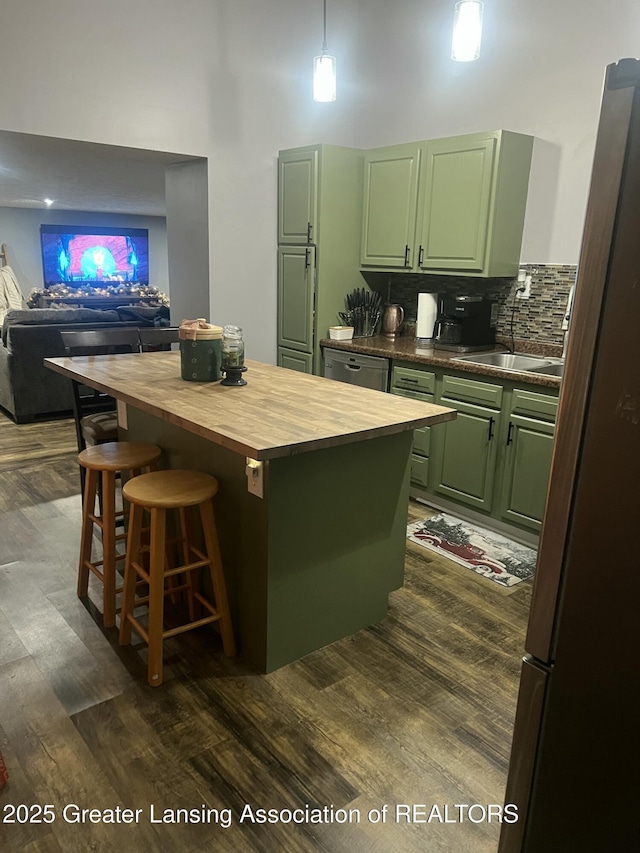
x=404 y=348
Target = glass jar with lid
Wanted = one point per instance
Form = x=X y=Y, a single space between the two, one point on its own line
x=232 y=347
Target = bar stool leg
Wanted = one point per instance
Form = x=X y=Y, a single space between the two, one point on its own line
x=191 y=578
x=109 y=548
x=217 y=577
x=130 y=574
x=156 y=595
x=86 y=539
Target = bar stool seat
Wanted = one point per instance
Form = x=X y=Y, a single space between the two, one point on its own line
x=157 y=493
x=104 y=461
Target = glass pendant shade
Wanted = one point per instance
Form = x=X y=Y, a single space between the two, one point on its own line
x=324 y=78
x=467 y=30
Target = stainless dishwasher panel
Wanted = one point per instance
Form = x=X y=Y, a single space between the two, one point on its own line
x=369 y=371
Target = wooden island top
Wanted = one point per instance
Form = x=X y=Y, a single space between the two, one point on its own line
x=278 y=413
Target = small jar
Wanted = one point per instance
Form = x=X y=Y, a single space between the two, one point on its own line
x=232 y=347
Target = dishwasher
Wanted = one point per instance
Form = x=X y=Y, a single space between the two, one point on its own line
x=369 y=371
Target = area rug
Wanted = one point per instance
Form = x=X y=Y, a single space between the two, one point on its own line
x=484 y=552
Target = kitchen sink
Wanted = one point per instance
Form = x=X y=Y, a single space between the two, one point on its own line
x=523 y=362
x=507 y=360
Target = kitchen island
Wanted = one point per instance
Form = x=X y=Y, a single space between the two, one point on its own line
x=312 y=552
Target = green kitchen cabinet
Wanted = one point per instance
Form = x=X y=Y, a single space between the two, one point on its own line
x=298 y=196
x=418 y=385
x=319 y=209
x=495 y=458
x=464 y=467
x=296 y=293
x=453 y=206
x=389 y=205
x=294 y=360
x=456 y=191
x=527 y=458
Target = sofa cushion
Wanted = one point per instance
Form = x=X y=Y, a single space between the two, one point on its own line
x=56 y=317
x=144 y=315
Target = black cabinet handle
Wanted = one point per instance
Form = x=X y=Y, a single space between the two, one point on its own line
x=420 y=256
x=510 y=433
x=492 y=422
x=406 y=379
x=406 y=256
x=306 y=258
x=309 y=227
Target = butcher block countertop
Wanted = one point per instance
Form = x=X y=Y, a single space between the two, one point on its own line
x=278 y=413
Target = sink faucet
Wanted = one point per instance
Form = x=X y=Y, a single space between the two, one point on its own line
x=566 y=320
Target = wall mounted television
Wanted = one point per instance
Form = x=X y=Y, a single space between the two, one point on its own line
x=89 y=255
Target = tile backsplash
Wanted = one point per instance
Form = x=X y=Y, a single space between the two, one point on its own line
x=538 y=318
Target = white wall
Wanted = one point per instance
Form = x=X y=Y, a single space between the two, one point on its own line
x=20 y=230
x=230 y=80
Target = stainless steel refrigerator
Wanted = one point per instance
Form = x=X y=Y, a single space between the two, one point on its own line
x=575 y=762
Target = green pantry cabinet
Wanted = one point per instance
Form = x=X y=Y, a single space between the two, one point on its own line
x=453 y=206
x=319 y=208
x=496 y=456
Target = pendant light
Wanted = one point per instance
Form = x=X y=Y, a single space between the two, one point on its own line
x=467 y=30
x=324 y=69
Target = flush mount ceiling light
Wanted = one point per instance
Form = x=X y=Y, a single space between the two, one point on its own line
x=324 y=69
x=467 y=30
x=48 y=201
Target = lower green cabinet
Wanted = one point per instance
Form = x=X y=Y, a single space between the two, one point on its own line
x=418 y=385
x=495 y=457
x=419 y=470
x=466 y=451
x=527 y=458
x=294 y=360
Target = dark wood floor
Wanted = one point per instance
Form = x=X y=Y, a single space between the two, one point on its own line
x=415 y=710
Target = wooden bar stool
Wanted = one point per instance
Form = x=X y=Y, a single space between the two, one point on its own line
x=158 y=492
x=104 y=461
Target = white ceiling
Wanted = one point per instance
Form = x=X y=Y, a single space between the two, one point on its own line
x=82 y=175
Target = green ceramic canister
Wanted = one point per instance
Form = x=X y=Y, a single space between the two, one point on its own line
x=200 y=359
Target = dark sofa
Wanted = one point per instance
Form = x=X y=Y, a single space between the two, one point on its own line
x=28 y=389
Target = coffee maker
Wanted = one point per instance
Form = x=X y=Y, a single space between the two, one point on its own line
x=465 y=323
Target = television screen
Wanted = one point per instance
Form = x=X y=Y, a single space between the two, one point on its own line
x=90 y=255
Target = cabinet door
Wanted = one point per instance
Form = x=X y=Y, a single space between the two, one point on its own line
x=297 y=197
x=300 y=361
x=528 y=445
x=526 y=473
x=464 y=455
x=296 y=285
x=421 y=436
x=454 y=204
x=389 y=209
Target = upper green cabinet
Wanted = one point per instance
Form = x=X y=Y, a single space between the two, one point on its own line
x=298 y=196
x=389 y=209
x=454 y=219
x=448 y=206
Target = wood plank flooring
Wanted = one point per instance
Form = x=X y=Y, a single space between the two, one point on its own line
x=417 y=709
